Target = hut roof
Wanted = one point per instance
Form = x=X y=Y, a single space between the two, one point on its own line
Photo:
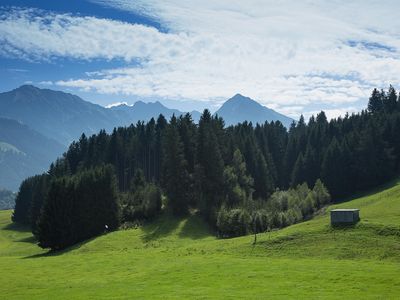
x=345 y=209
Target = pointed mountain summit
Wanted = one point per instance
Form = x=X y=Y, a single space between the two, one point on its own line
x=240 y=108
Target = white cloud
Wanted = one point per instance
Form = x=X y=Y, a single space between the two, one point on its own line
x=332 y=113
x=284 y=54
x=47 y=82
x=42 y=35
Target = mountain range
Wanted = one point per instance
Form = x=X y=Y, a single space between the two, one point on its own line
x=145 y=111
x=37 y=125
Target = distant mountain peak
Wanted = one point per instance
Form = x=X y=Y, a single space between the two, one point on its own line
x=240 y=108
x=139 y=102
x=27 y=87
x=149 y=104
x=240 y=99
x=239 y=96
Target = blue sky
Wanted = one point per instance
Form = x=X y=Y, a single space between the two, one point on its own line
x=297 y=57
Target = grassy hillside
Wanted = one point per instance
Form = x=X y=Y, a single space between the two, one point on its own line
x=181 y=259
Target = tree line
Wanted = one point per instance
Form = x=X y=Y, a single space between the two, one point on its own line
x=231 y=175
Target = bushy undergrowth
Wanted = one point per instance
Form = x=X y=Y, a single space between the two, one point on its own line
x=282 y=209
x=142 y=201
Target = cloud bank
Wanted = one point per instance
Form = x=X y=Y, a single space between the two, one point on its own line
x=294 y=57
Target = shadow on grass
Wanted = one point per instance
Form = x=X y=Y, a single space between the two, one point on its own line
x=51 y=253
x=17 y=227
x=29 y=239
x=161 y=227
x=195 y=228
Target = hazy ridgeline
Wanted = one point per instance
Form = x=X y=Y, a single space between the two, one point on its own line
x=243 y=178
x=7 y=199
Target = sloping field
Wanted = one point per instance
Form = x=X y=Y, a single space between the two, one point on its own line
x=180 y=259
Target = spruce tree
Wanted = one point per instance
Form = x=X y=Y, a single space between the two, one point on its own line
x=299 y=171
x=331 y=171
x=311 y=165
x=55 y=228
x=187 y=132
x=375 y=160
x=209 y=167
x=39 y=195
x=375 y=104
x=290 y=159
x=161 y=124
x=176 y=176
x=390 y=100
x=264 y=184
x=79 y=207
x=23 y=203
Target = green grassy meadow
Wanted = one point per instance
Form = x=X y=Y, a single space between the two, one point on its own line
x=181 y=259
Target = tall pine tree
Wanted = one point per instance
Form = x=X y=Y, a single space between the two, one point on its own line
x=176 y=176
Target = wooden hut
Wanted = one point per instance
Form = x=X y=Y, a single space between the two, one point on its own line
x=345 y=216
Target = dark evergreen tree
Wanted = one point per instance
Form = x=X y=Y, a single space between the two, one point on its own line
x=332 y=169
x=390 y=100
x=39 y=195
x=264 y=184
x=290 y=159
x=311 y=165
x=375 y=161
x=299 y=171
x=23 y=203
x=176 y=175
x=187 y=132
x=78 y=208
x=375 y=104
x=160 y=128
x=209 y=167
x=55 y=228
